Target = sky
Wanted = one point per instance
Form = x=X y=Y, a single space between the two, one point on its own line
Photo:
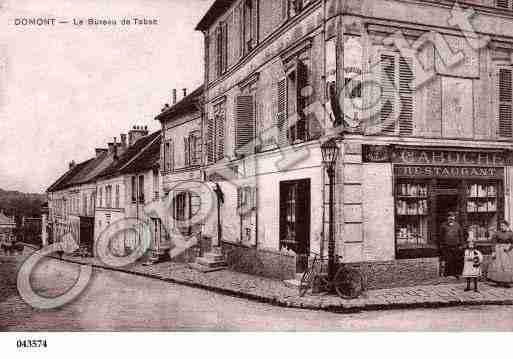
x=66 y=89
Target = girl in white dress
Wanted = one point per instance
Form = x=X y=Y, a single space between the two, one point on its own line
x=472 y=265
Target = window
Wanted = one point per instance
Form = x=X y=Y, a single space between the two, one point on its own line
x=168 y=156
x=108 y=195
x=292 y=101
x=296 y=6
x=92 y=202
x=397 y=95
x=134 y=189
x=185 y=205
x=249 y=25
x=505 y=102
x=84 y=204
x=141 y=189
x=117 y=196
x=244 y=124
x=156 y=189
x=192 y=149
x=101 y=197
x=215 y=134
x=222 y=48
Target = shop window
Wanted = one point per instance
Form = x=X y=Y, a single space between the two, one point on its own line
x=412 y=216
x=482 y=210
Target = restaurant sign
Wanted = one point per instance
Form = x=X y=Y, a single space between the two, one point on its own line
x=414 y=156
x=448 y=172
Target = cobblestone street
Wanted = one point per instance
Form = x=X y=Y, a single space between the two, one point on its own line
x=120 y=301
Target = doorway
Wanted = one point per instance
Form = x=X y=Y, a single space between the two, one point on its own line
x=295 y=220
x=447 y=200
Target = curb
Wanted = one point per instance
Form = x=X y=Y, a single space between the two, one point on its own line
x=342 y=309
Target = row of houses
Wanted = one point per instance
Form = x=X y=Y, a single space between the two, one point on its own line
x=416 y=93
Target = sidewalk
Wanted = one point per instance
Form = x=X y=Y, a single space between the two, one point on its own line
x=276 y=293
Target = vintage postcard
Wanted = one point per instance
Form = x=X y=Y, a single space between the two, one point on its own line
x=255 y=165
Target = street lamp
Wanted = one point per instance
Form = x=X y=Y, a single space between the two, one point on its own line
x=330 y=151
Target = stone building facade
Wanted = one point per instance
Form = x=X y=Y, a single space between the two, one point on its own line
x=418 y=95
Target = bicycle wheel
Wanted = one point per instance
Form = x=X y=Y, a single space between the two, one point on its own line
x=348 y=283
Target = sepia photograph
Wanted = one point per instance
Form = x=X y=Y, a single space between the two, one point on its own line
x=255 y=166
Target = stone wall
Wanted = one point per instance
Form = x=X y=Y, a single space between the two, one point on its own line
x=260 y=262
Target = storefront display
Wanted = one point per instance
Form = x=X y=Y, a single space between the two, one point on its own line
x=428 y=183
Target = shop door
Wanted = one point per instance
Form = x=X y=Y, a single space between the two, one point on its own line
x=295 y=220
x=448 y=198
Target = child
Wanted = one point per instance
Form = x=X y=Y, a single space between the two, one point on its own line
x=472 y=265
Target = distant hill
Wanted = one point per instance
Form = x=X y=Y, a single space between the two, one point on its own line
x=21 y=204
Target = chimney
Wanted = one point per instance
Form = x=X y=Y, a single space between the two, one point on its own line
x=100 y=151
x=184 y=92
x=72 y=164
x=136 y=133
x=174 y=96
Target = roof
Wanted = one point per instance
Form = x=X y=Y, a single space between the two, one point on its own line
x=137 y=151
x=189 y=103
x=4 y=220
x=217 y=9
x=147 y=160
x=89 y=172
x=64 y=180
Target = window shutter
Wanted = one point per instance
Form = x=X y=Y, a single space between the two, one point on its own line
x=210 y=140
x=406 y=93
x=282 y=116
x=302 y=82
x=388 y=109
x=220 y=137
x=162 y=156
x=244 y=124
x=186 y=151
x=254 y=23
x=284 y=9
x=219 y=50
x=224 y=47
x=171 y=155
x=237 y=29
x=502 y=4
x=505 y=102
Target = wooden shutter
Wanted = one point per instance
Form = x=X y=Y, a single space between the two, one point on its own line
x=301 y=82
x=502 y=4
x=209 y=140
x=244 y=124
x=219 y=148
x=282 y=115
x=254 y=23
x=284 y=9
x=406 y=93
x=237 y=30
x=388 y=109
x=171 y=155
x=505 y=102
x=187 y=151
x=224 y=47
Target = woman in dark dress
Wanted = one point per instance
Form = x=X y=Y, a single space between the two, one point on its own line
x=501 y=268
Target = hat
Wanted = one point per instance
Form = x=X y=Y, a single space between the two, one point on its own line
x=451 y=213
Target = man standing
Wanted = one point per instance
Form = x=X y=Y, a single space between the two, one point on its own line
x=452 y=240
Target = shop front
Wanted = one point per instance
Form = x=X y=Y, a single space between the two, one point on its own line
x=407 y=193
x=430 y=182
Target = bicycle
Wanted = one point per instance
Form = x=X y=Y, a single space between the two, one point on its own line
x=348 y=283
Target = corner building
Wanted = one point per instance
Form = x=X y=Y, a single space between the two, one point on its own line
x=412 y=148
